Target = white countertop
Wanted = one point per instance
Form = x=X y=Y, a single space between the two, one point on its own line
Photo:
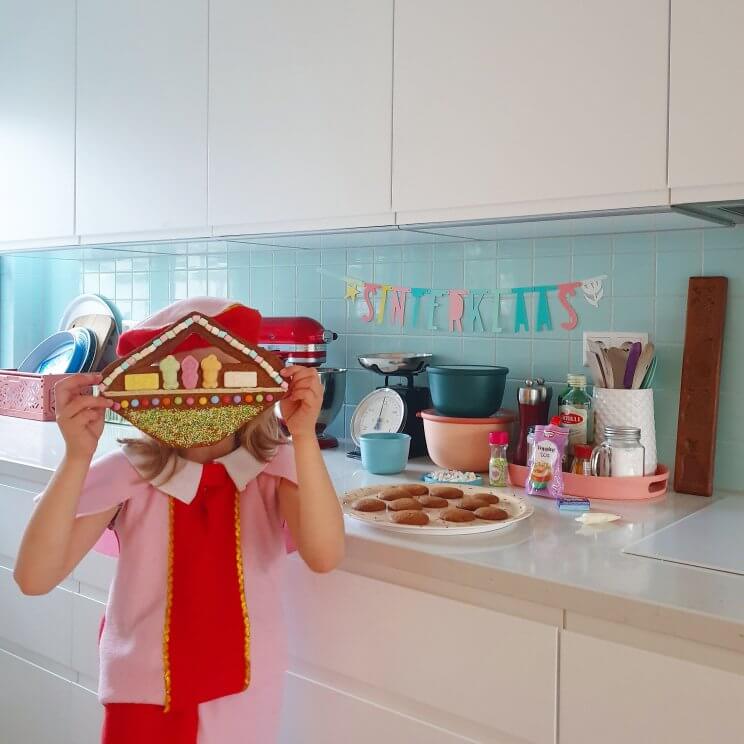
x=548 y=559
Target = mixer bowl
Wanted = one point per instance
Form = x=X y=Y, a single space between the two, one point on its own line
x=395 y=362
x=333 y=382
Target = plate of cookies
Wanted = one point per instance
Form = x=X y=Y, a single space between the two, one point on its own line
x=436 y=510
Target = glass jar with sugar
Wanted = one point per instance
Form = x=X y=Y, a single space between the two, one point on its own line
x=621 y=454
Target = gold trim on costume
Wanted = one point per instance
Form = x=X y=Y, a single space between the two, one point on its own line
x=168 y=606
x=241 y=582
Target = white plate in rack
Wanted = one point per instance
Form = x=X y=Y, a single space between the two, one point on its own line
x=517 y=508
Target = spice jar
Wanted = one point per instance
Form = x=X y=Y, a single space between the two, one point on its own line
x=581 y=464
x=498 y=467
x=621 y=454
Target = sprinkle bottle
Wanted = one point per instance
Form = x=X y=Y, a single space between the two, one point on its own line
x=498 y=467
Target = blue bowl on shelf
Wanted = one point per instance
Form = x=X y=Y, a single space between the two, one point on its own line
x=61 y=353
x=384 y=453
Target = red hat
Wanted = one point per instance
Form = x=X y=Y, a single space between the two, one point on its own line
x=242 y=322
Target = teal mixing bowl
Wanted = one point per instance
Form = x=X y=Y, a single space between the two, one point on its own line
x=467 y=390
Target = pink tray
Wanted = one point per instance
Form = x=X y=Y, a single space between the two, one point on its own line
x=26 y=395
x=609 y=489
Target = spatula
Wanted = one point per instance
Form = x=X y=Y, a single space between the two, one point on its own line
x=618 y=360
x=648 y=380
x=630 y=366
x=597 y=374
x=644 y=361
x=598 y=348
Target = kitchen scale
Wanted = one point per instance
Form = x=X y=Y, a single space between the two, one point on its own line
x=393 y=408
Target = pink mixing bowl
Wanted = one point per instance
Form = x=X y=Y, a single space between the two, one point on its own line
x=462 y=443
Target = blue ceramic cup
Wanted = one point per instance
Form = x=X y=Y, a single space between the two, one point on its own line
x=384 y=453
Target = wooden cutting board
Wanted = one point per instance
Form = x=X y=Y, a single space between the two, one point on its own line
x=103 y=326
x=701 y=374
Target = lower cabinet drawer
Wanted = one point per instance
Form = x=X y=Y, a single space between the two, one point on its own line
x=317 y=714
x=16 y=506
x=95 y=571
x=494 y=670
x=38 y=707
x=86 y=626
x=42 y=624
x=615 y=694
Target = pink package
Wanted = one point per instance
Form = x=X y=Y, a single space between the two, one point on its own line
x=545 y=475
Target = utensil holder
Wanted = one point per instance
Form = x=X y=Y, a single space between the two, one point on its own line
x=627 y=408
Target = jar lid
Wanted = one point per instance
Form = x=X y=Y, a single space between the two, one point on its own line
x=498 y=437
x=576 y=380
x=583 y=451
x=622 y=432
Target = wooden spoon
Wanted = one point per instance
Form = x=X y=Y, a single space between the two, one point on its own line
x=599 y=350
x=596 y=368
x=618 y=359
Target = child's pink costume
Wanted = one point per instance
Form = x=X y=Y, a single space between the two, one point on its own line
x=131 y=647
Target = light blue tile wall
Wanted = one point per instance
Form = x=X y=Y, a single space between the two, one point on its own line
x=646 y=291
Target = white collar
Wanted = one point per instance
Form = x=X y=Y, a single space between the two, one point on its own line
x=180 y=478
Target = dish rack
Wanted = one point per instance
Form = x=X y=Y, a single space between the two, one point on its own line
x=28 y=395
x=606 y=489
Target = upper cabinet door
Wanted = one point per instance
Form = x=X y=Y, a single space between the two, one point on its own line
x=142 y=116
x=300 y=113
x=37 y=119
x=706 y=109
x=505 y=108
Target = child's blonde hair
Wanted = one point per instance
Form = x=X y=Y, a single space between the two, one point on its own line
x=260 y=437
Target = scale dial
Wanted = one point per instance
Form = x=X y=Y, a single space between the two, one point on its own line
x=381 y=410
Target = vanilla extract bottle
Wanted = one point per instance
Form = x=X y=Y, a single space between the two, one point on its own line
x=575 y=411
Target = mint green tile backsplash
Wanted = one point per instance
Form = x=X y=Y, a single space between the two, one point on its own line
x=645 y=291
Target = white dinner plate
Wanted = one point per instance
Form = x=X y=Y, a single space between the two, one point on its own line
x=517 y=508
x=89 y=304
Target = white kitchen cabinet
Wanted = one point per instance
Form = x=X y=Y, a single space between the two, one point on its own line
x=508 y=108
x=142 y=117
x=37 y=119
x=41 y=625
x=16 y=505
x=38 y=707
x=299 y=114
x=319 y=714
x=87 y=615
x=460 y=662
x=706 y=113
x=614 y=693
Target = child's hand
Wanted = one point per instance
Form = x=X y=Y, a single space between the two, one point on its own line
x=301 y=406
x=80 y=414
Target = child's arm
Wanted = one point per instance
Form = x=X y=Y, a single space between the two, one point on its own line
x=311 y=509
x=55 y=540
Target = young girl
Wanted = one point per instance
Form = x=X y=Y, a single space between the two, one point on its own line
x=192 y=648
